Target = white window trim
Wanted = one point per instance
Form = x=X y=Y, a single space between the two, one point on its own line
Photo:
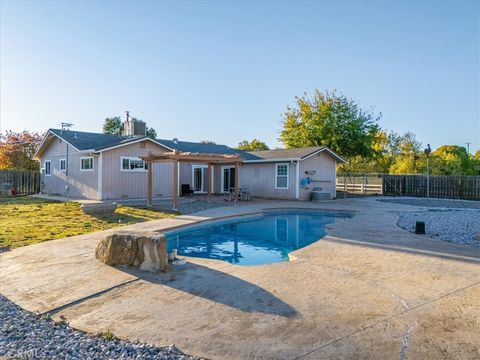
x=288 y=176
x=222 y=176
x=204 y=191
x=86 y=157
x=130 y=170
x=60 y=165
x=45 y=164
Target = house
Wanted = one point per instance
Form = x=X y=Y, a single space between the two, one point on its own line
x=105 y=166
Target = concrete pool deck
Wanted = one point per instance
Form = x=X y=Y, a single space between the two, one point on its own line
x=367 y=290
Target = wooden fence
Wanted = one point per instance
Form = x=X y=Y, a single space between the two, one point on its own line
x=370 y=184
x=452 y=187
x=19 y=182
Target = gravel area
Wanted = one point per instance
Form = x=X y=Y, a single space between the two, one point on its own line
x=24 y=335
x=442 y=203
x=459 y=226
x=199 y=205
x=185 y=207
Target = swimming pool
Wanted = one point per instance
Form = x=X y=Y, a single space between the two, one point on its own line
x=253 y=240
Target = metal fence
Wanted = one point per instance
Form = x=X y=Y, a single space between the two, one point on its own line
x=452 y=187
x=19 y=182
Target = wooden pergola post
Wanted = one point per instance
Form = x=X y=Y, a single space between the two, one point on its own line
x=237 y=167
x=176 y=157
x=209 y=181
x=149 y=183
x=175 y=185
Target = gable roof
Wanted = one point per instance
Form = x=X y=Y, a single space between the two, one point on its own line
x=290 y=154
x=195 y=147
x=82 y=140
x=97 y=142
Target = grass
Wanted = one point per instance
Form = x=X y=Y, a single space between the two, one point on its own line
x=29 y=220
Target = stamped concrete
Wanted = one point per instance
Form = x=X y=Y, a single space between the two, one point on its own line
x=368 y=290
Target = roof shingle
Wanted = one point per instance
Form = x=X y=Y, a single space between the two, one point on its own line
x=96 y=142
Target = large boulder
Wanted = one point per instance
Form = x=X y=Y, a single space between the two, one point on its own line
x=98 y=208
x=145 y=252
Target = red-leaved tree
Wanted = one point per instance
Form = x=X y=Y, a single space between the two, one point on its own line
x=17 y=150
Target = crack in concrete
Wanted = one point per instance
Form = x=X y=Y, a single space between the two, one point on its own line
x=81 y=300
x=387 y=319
x=406 y=338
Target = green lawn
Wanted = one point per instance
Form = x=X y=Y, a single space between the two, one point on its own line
x=28 y=220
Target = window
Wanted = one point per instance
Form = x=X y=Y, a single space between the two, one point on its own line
x=86 y=163
x=48 y=168
x=281 y=176
x=63 y=165
x=133 y=164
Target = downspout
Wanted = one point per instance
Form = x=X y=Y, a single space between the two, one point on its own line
x=297 y=181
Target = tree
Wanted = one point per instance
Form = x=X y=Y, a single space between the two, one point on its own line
x=208 y=142
x=17 y=150
x=253 y=145
x=330 y=119
x=386 y=149
x=452 y=160
x=113 y=125
x=476 y=159
x=151 y=133
x=409 y=159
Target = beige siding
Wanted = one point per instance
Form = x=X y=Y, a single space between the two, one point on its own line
x=73 y=182
x=186 y=175
x=118 y=184
x=259 y=179
x=325 y=171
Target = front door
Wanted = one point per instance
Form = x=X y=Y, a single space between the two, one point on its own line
x=198 y=177
x=228 y=179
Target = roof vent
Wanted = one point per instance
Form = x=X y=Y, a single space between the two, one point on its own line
x=175 y=140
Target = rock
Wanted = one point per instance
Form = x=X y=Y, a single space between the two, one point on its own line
x=147 y=253
x=116 y=249
x=477 y=236
x=98 y=208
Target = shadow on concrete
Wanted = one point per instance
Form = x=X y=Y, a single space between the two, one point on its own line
x=219 y=287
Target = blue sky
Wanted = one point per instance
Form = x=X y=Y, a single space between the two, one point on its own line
x=226 y=71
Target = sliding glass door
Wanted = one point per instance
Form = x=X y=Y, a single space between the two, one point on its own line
x=228 y=178
x=199 y=178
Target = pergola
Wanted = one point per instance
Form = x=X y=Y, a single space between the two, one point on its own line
x=176 y=157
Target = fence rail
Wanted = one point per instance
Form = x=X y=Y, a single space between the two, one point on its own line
x=359 y=184
x=452 y=187
x=19 y=182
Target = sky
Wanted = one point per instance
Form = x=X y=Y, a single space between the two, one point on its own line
x=226 y=71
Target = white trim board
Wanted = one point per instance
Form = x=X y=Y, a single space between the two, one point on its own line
x=133 y=142
x=287 y=176
x=87 y=157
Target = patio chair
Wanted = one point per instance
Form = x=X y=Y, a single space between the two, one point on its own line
x=185 y=189
x=230 y=195
x=244 y=194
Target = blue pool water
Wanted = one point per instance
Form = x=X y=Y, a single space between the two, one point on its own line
x=261 y=239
